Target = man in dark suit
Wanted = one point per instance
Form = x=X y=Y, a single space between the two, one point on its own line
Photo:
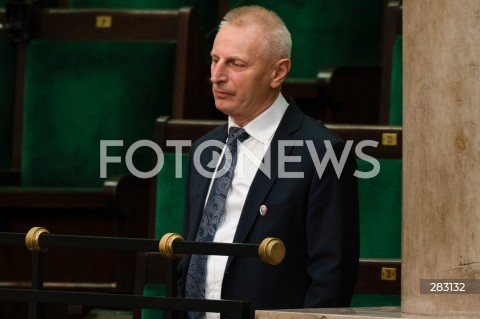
x=279 y=179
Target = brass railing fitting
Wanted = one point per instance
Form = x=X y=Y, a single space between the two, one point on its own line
x=271 y=251
x=166 y=242
x=32 y=239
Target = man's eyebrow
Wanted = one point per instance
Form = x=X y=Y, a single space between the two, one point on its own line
x=233 y=57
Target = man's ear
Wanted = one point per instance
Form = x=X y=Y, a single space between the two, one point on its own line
x=280 y=71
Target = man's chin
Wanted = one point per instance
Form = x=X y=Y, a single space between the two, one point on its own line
x=225 y=108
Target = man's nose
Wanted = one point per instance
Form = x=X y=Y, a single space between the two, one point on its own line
x=218 y=73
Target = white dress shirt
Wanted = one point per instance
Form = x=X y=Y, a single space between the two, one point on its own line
x=249 y=156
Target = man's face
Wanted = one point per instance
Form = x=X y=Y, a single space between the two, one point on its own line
x=241 y=74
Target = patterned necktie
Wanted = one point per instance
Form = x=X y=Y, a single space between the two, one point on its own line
x=197 y=270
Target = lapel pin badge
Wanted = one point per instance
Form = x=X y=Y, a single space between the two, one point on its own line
x=263 y=210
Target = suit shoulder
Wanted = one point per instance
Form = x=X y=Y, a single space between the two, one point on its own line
x=215 y=134
x=317 y=131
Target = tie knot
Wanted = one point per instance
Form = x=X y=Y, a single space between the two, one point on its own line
x=237 y=133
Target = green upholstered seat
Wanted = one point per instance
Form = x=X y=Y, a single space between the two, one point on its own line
x=396 y=89
x=375 y=300
x=380 y=200
x=329 y=33
x=169 y=210
x=155 y=291
x=7 y=82
x=78 y=93
x=94 y=75
x=169 y=200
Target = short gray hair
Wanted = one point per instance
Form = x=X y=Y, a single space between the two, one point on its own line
x=277 y=37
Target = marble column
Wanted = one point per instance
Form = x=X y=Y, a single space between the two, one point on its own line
x=441 y=153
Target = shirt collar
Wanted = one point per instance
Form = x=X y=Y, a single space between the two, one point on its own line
x=264 y=126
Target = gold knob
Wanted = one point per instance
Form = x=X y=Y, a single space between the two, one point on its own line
x=165 y=244
x=272 y=251
x=32 y=238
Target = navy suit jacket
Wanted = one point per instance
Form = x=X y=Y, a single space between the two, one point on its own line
x=315 y=216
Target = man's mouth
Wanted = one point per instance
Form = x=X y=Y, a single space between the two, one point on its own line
x=221 y=93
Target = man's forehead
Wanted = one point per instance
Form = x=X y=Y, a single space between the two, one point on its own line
x=236 y=41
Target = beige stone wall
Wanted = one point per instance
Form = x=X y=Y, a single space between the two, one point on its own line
x=441 y=149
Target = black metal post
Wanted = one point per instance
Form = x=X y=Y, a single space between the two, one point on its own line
x=36 y=310
x=171 y=289
x=209 y=248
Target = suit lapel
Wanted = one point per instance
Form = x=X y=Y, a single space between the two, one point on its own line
x=262 y=184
